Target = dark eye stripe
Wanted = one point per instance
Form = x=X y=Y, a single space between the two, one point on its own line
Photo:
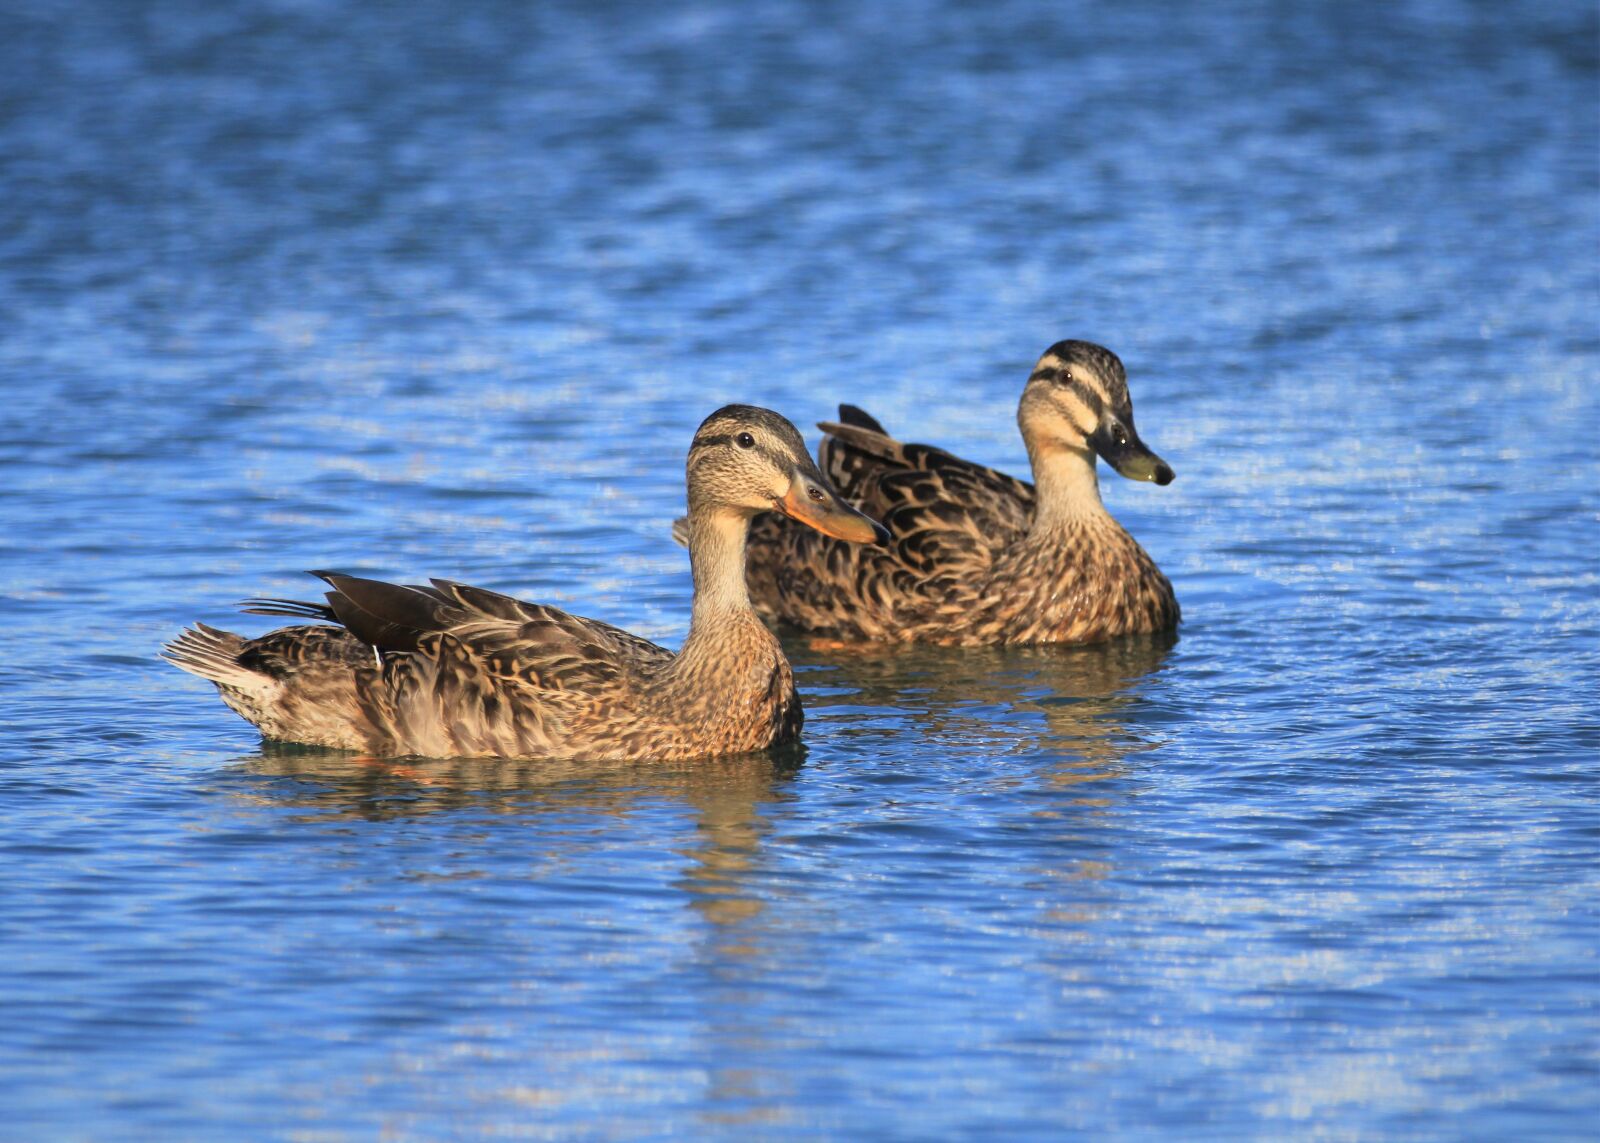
x=711 y=441
x=1087 y=395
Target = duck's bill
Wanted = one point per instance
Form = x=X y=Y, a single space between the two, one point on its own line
x=830 y=515
x=1147 y=466
x=1132 y=459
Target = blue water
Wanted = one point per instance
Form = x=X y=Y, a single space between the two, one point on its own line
x=437 y=289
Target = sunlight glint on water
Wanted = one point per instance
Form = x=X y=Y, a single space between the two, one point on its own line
x=444 y=291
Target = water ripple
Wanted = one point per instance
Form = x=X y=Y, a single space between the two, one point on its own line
x=442 y=291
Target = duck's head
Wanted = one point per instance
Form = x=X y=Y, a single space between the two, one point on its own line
x=1077 y=398
x=751 y=460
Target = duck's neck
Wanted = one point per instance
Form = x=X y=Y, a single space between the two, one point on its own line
x=716 y=555
x=1068 y=491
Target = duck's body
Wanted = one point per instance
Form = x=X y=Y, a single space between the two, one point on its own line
x=975 y=556
x=466 y=672
x=452 y=670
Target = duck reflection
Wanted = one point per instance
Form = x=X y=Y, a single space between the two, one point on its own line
x=1040 y=724
x=378 y=789
x=1068 y=707
x=587 y=815
x=1074 y=704
x=729 y=799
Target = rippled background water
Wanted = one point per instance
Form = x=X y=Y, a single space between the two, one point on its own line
x=444 y=289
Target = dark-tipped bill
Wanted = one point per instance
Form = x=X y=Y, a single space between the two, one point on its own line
x=1131 y=458
x=816 y=505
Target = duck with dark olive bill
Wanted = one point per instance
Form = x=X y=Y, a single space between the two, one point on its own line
x=975 y=556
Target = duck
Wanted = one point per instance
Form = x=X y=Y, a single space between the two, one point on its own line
x=451 y=670
x=976 y=556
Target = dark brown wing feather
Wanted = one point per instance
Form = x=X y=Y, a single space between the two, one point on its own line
x=292 y=650
x=875 y=471
x=498 y=635
x=456 y=670
x=947 y=519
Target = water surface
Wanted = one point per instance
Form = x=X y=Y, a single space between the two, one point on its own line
x=417 y=290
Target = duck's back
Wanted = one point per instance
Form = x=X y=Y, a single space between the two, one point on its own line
x=447 y=670
x=949 y=521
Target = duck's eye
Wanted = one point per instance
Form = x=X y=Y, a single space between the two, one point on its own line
x=745 y=440
x=1119 y=436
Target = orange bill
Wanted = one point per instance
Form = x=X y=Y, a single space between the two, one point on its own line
x=815 y=504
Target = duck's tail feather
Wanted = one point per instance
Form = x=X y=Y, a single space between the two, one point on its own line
x=680 y=531
x=860 y=418
x=294 y=608
x=212 y=654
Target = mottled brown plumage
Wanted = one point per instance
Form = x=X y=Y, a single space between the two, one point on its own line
x=975 y=556
x=451 y=670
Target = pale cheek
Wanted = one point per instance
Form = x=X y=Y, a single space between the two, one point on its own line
x=1077 y=415
x=1066 y=420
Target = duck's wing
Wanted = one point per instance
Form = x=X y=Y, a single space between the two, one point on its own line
x=947 y=520
x=504 y=637
x=442 y=670
x=470 y=671
x=946 y=507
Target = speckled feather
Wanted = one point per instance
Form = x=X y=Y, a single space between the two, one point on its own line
x=970 y=561
x=452 y=670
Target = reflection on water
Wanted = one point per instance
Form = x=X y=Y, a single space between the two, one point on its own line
x=1055 y=726
x=1073 y=699
x=430 y=288
x=1069 y=699
x=1053 y=731
x=377 y=789
x=726 y=797
x=558 y=816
